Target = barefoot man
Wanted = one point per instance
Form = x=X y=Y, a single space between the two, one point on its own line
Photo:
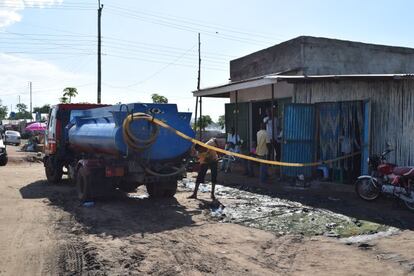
x=208 y=160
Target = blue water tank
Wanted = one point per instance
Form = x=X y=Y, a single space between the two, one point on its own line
x=99 y=130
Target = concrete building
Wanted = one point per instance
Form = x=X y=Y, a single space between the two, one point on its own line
x=330 y=97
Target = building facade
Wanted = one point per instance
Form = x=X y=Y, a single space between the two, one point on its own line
x=330 y=98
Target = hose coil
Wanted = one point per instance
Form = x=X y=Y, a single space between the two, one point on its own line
x=131 y=140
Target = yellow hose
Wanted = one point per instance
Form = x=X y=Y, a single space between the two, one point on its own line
x=153 y=120
x=131 y=140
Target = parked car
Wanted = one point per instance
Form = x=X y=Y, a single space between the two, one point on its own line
x=3 y=153
x=12 y=138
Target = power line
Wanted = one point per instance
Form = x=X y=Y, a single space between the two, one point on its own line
x=158 y=71
x=161 y=62
x=193 y=22
x=171 y=24
x=112 y=41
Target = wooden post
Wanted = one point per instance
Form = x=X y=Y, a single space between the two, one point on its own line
x=199 y=63
x=236 y=115
x=99 y=52
x=273 y=123
x=200 y=135
x=195 y=115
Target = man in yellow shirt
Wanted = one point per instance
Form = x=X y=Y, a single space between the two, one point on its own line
x=208 y=160
x=262 y=150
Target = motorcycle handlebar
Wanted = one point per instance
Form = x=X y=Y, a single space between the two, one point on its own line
x=386 y=152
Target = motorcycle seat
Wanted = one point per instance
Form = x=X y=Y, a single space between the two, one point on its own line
x=404 y=171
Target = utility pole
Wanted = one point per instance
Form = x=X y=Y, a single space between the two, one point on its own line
x=100 y=7
x=30 y=86
x=19 y=99
x=199 y=62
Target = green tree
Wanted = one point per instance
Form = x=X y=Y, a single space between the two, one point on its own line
x=21 y=107
x=64 y=99
x=204 y=121
x=44 y=109
x=3 y=111
x=70 y=92
x=22 y=112
x=158 y=98
x=221 y=121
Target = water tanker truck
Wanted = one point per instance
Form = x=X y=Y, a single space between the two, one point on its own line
x=107 y=147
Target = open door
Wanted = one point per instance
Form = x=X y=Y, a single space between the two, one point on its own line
x=298 y=138
x=240 y=122
x=365 y=148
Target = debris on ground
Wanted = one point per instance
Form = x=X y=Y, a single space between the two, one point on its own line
x=284 y=216
x=88 y=204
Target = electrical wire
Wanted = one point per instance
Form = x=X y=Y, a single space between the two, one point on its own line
x=200 y=24
x=189 y=28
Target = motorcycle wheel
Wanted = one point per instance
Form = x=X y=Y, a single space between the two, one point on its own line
x=366 y=189
x=409 y=205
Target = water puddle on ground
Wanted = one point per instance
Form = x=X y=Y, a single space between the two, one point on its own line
x=282 y=216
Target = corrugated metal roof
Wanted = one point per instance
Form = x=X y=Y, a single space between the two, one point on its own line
x=224 y=89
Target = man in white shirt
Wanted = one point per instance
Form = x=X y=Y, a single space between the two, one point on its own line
x=232 y=137
x=262 y=151
x=232 y=144
x=271 y=124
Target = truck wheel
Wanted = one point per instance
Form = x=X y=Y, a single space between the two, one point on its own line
x=3 y=161
x=84 y=185
x=53 y=170
x=170 y=189
x=163 y=189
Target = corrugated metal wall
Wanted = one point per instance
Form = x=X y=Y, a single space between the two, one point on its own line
x=392 y=117
x=299 y=138
x=328 y=119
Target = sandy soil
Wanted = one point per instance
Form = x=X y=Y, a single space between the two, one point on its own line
x=45 y=231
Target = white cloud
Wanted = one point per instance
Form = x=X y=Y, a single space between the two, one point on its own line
x=11 y=9
x=48 y=81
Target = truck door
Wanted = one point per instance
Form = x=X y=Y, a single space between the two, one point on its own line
x=50 y=141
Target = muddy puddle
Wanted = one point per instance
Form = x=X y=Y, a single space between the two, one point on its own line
x=282 y=216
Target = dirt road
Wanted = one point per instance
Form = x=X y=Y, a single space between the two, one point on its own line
x=45 y=231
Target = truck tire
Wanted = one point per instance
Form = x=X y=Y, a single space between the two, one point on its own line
x=53 y=170
x=84 y=185
x=171 y=189
x=162 y=189
x=4 y=160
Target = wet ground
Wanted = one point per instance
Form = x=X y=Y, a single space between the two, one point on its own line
x=252 y=229
x=283 y=216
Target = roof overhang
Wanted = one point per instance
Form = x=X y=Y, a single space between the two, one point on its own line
x=342 y=77
x=223 y=91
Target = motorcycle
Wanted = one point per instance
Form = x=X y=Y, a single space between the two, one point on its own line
x=386 y=178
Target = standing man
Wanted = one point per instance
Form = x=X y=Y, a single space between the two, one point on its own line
x=271 y=126
x=233 y=137
x=262 y=151
x=208 y=160
x=232 y=144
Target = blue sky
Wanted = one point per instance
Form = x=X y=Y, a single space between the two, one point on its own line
x=151 y=46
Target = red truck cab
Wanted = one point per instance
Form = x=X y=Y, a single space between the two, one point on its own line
x=55 y=151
